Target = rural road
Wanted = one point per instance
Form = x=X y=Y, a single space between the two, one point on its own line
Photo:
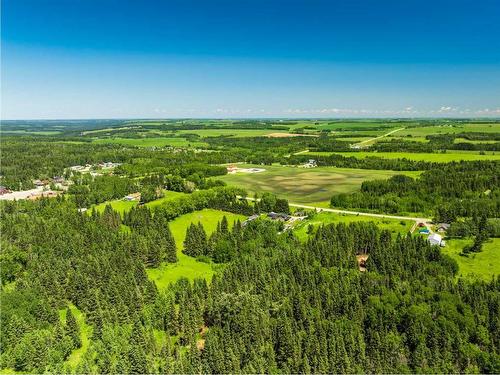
x=380 y=136
x=382 y=216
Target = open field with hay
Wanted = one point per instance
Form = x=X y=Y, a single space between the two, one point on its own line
x=308 y=186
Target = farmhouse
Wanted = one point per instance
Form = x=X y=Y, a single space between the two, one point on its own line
x=442 y=227
x=310 y=164
x=436 y=239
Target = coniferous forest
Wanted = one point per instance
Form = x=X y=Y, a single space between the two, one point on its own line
x=278 y=305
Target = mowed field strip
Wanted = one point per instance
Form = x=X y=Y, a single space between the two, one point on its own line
x=300 y=185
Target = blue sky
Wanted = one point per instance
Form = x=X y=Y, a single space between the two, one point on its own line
x=242 y=58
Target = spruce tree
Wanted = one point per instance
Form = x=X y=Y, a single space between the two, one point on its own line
x=73 y=329
x=170 y=247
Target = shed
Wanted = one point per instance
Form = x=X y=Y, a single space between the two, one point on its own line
x=435 y=239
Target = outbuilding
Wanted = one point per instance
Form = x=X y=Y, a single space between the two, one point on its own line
x=436 y=239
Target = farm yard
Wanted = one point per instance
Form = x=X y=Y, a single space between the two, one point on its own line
x=308 y=186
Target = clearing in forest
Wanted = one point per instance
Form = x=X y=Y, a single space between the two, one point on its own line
x=187 y=266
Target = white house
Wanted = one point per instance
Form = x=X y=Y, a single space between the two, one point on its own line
x=436 y=239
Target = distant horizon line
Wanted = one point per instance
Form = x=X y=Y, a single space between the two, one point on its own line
x=253 y=118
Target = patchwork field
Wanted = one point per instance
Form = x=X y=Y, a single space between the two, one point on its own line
x=229 y=132
x=308 y=186
x=187 y=266
x=151 y=142
x=395 y=226
x=435 y=157
x=455 y=128
x=484 y=265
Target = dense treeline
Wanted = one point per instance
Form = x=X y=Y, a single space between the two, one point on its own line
x=372 y=162
x=279 y=306
x=25 y=159
x=440 y=143
x=454 y=190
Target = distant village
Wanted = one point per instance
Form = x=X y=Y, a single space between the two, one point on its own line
x=52 y=187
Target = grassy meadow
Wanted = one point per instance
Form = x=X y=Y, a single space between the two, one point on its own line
x=187 y=266
x=395 y=226
x=483 y=265
x=307 y=186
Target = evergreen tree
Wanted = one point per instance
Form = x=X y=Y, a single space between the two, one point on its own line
x=72 y=328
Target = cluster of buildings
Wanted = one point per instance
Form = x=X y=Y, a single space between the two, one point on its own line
x=310 y=164
x=434 y=238
x=87 y=167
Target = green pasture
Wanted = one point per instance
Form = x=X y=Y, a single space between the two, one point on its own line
x=308 y=186
x=151 y=142
x=483 y=265
x=450 y=128
x=187 y=266
x=394 y=226
x=430 y=157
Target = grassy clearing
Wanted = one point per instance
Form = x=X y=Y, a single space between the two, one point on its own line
x=309 y=186
x=151 y=142
x=483 y=265
x=85 y=334
x=123 y=206
x=118 y=205
x=438 y=158
x=187 y=266
x=395 y=226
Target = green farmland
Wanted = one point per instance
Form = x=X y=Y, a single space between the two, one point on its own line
x=151 y=142
x=434 y=157
x=308 y=186
x=455 y=128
